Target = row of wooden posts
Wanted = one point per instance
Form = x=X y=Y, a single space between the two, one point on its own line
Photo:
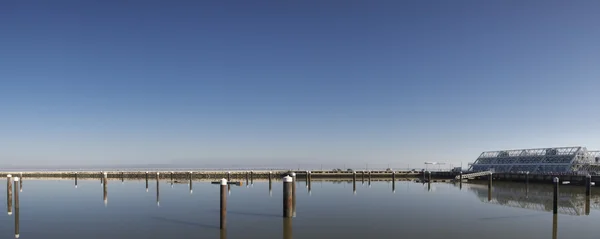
x=18 y=187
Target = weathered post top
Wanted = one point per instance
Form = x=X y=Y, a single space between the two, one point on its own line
x=9 y=176
x=105 y=174
x=527 y=172
x=157 y=173
x=287 y=179
x=223 y=181
x=490 y=173
x=555 y=180
x=293 y=174
x=16 y=179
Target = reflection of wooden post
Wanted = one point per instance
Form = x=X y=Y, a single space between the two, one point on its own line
x=16 y=179
x=287 y=196
x=393 y=182
x=251 y=177
x=223 y=203
x=146 y=181
x=354 y=182
x=287 y=228
x=270 y=183
x=555 y=196
x=105 y=189
x=588 y=185
x=76 y=179
x=9 y=196
x=293 y=194
x=369 y=178
x=363 y=177
x=554 y=226
x=190 y=182
x=157 y=189
x=587 y=205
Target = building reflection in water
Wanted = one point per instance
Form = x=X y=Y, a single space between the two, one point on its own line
x=572 y=199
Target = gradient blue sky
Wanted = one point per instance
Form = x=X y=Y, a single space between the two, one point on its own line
x=260 y=82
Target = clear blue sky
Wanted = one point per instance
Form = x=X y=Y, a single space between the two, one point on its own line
x=261 y=82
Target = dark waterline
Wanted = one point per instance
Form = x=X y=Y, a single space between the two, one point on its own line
x=56 y=209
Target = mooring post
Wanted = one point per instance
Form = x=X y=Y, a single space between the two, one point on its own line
x=122 y=177
x=104 y=186
x=76 y=179
x=229 y=176
x=247 y=176
x=393 y=181
x=146 y=181
x=527 y=178
x=369 y=178
x=9 y=197
x=429 y=179
x=309 y=181
x=251 y=177
x=588 y=185
x=157 y=189
x=460 y=178
x=101 y=174
x=16 y=179
x=287 y=196
x=555 y=196
x=171 y=178
x=293 y=194
x=490 y=182
x=190 y=182
x=21 y=182
x=306 y=178
x=224 y=203
x=354 y=182
x=362 y=179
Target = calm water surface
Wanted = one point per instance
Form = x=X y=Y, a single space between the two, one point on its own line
x=56 y=209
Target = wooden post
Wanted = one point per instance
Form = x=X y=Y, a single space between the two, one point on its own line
x=490 y=178
x=157 y=189
x=122 y=177
x=527 y=178
x=20 y=182
x=228 y=176
x=309 y=181
x=247 y=178
x=223 y=204
x=588 y=185
x=146 y=181
x=171 y=178
x=354 y=182
x=362 y=178
x=104 y=186
x=251 y=177
x=369 y=178
x=294 y=194
x=460 y=180
x=555 y=197
x=393 y=181
x=429 y=179
x=16 y=179
x=9 y=193
x=191 y=183
x=287 y=196
x=306 y=178
x=76 y=179
x=101 y=174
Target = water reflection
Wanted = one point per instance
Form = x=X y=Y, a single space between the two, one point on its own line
x=105 y=190
x=554 y=225
x=157 y=190
x=571 y=200
x=287 y=228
